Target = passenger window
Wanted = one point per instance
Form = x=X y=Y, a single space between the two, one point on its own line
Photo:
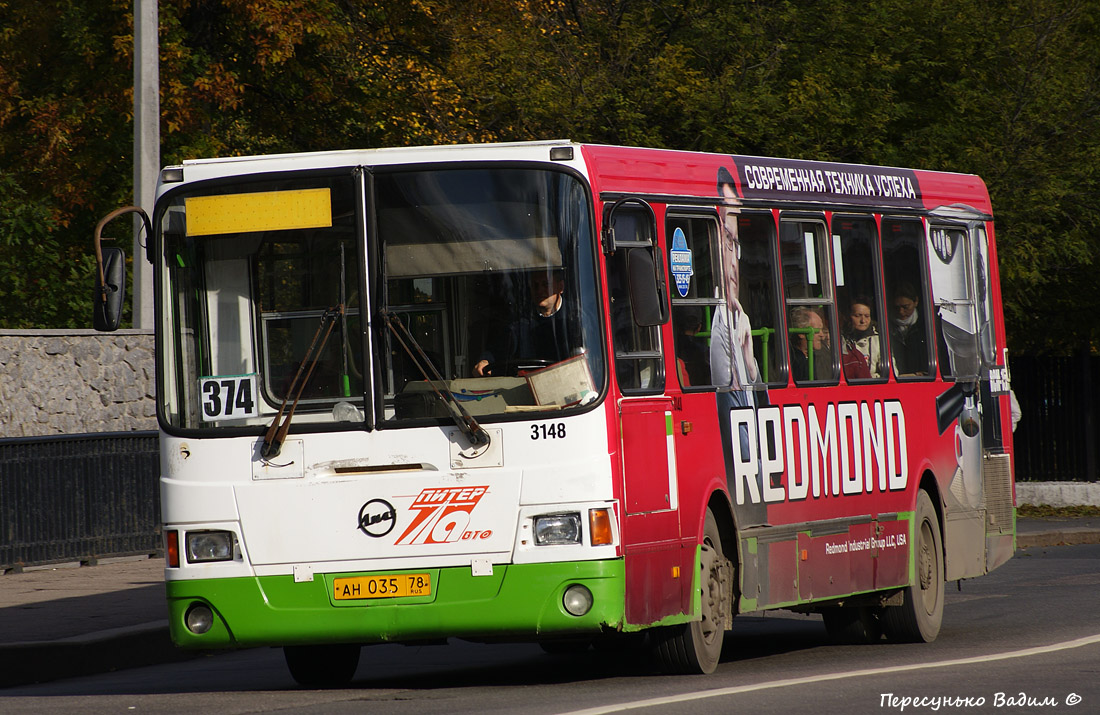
x=805 y=255
x=638 y=357
x=693 y=260
x=904 y=272
x=743 y=326
x=759 y=293
x=862 y=345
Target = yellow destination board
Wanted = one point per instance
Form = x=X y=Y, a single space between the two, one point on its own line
x=263 y=211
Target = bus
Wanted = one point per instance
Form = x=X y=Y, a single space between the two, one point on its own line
x=569 y=394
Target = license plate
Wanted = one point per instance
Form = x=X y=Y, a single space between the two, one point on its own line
x=406 y=584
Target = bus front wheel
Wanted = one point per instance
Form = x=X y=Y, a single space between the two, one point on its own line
x=919 y=617
x=696 y=646
x=322 y=666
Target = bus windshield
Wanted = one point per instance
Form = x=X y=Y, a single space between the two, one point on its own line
x=489 y=270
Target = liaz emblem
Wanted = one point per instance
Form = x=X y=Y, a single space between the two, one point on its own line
x=377 y=518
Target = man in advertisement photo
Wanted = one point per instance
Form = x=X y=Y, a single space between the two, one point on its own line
x=732 y=363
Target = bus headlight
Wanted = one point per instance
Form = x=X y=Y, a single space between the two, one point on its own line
x=556 y=529
x=207 y=546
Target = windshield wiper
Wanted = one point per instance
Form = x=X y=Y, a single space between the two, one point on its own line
x=474 y=432
x=276 y=433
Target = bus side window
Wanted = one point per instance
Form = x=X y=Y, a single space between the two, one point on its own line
x=904 y=272
x=859 y=304
x=958 y=278
x=808 y=289
x=693 y=275
x=759 y=293
x=638 y=357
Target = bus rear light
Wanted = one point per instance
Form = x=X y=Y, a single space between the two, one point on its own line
x=599 y=526
x=208 y=546
x=172 y=548
x=558 y=529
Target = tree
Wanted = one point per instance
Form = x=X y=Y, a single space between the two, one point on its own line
x=1007 y=89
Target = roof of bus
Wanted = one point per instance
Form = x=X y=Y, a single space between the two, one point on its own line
x=675 y=173
x=663 y=172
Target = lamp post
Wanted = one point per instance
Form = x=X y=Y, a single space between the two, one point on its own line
x=146 y=148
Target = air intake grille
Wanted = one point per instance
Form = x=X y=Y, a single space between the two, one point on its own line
x=997 y=473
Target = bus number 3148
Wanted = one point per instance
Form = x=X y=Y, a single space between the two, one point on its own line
x=552 y=431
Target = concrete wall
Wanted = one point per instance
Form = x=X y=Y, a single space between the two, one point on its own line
x=75 y=381
x=1058 y=493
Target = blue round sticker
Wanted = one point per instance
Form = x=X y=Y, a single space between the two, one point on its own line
x=679 y=258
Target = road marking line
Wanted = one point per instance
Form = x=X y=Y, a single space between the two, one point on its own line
x=672 y=699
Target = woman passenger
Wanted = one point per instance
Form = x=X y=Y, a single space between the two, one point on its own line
x=862 y=349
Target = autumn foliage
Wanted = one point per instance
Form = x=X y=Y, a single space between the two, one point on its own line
x=1005 y=89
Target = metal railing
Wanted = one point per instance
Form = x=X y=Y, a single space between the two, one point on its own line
x=78 y=498
x=1056 y=439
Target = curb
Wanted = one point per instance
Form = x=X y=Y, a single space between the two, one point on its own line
x=103 y=652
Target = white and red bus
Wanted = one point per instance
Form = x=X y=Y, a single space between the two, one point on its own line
x=564 y=393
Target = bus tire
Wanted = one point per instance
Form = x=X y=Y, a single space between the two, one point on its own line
x=322 y=666
x=852 y=625
x=695 y=647
x=920 y=615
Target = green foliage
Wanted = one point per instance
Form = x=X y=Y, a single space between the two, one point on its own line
x=1007 y=89
x=34 y=264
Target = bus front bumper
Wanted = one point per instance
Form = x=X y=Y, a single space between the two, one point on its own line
x=520 y=602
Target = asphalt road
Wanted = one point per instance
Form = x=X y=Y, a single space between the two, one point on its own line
x=1025 y=639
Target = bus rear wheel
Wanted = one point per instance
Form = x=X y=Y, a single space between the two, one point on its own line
x=696 y=646
x=920 y=615
x=322 y=666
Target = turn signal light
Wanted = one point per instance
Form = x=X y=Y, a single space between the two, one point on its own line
x=172 y=548
x=599 y=526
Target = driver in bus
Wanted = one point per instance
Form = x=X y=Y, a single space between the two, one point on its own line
x=543 y=337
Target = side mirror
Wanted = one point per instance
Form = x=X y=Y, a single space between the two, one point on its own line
x=110 y=284
x=110 y=290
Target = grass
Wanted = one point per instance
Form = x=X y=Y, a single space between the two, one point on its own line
x=1043 y=511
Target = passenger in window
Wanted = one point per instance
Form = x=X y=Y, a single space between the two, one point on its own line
x=861 y=349
x=908 y=341
x=808 y=328
x=534 y=340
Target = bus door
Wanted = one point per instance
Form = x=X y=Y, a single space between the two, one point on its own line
x=658 y=583
x=958 y=260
